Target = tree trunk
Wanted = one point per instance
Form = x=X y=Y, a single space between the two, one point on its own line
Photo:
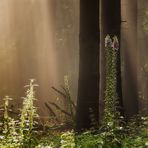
x=88 y=86
x=130 y=53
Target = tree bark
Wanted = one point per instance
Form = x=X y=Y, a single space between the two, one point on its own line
x=88 y=84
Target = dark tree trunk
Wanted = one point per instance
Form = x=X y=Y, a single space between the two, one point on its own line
x=88 y=85
x=111 y=24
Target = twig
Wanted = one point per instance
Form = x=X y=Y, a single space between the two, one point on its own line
x=50 y=109
x=60 y=109
x=58 y=91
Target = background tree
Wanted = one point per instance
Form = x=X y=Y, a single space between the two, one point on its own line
x=88 y=84
x=130 y=37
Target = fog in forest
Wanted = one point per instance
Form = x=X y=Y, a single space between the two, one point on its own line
x=134 y=45
x=38 y=39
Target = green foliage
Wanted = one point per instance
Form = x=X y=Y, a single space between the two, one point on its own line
x=18 y=133
x=9 y=136
x=137 y=133
x=89 y=140
x=51 y=141
x=111 y=113
x=112 y=124
x=70 y=104
x=6 y=119
x=28 y=114
x=67 y=140
x=113 y=132
x=133 y=134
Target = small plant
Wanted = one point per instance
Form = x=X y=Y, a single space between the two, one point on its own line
x=112 y=125
x=50 y=141
x=70 y=104
x=68 y=140
x=9 y=137
x=28 y=114
x=19 y=133
x=89 y=140
x=111 y=113
x=6 y=118
x=136 y=133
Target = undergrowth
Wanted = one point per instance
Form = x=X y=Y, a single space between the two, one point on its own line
x=114 y=132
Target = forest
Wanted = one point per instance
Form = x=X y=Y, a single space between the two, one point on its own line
x=73 y=74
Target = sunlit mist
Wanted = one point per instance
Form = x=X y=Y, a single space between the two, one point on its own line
x=34 y=43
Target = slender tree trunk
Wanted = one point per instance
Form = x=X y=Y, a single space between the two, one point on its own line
x=111 y=24
x=130 y=54
x=88 y=85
